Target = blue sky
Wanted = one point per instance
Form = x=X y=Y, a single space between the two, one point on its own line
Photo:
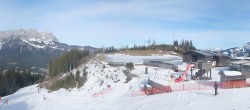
x=98 y=23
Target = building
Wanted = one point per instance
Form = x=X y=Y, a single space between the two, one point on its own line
x=162 y=63
x=117 y=64
x=232 y=79
x=242 y=66
x=121 y=60
x=204 y=57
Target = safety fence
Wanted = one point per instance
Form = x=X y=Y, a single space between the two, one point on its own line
x=97 y=94
x=158 y=88
x=202 y=85
x=192 y=86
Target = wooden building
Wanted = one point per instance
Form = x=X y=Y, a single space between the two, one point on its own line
x=242 y=66
x=232 y=79
x=204 y=57
x=161 y=63
x=117 y=64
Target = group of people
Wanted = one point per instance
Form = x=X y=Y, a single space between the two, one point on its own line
x=6 y=100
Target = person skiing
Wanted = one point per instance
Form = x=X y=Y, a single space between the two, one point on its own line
x=6 y=101
x=44 y=98
x=215 y=88
x=0 y=99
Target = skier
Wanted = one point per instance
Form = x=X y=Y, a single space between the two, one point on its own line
x=44 y=98
x=215 y=88
x=0 y=99
x=6 y=101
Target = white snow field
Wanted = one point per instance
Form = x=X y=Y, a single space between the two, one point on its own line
x=105 y=90
x=139 y=59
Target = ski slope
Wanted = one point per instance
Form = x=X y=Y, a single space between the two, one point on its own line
x=29 y=99
x=112 y=93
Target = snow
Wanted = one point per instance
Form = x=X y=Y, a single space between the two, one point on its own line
x=28 y=42
x=228 y=99
x=119 y=96
x=139 y=59
x=232 y=73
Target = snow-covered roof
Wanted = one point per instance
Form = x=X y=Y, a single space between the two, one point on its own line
x=232 y=73
x=240 y=62
x=241 y=58
x=201 y=53
x=246 y=64
x=207 y=53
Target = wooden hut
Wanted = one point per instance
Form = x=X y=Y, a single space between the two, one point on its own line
x=245 y=69
x=203 y=56
x=232 y=79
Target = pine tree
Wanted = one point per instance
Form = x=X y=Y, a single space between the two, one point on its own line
x=67 y=62
x=149 y=41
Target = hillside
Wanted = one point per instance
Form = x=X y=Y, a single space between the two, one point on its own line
x=108 y=87
x=229 y=99
x=30 y=49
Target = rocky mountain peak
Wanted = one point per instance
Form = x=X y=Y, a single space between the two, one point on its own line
x=28 y=48
x=247 y=45
x=29 y=34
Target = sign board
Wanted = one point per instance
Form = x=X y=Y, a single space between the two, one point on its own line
x=204 y=65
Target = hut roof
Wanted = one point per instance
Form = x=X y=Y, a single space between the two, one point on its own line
x=246 y=64
x=209 y=54
x=232 y=75
x=200 y=52
x=240 y=62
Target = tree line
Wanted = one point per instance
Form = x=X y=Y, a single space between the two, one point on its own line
x=186 y=45
x=177 y=46
x=67 y=61
x=12 y=79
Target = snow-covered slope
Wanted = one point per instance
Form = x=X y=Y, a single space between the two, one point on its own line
x=29 y=99
x=106 y=89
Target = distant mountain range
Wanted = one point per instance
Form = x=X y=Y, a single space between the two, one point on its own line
x=31 y=49
x=234 y=52
x=238 y=51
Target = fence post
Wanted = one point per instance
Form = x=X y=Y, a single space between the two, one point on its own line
x=183 y=86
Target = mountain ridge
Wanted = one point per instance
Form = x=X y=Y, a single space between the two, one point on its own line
x=30 y=48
